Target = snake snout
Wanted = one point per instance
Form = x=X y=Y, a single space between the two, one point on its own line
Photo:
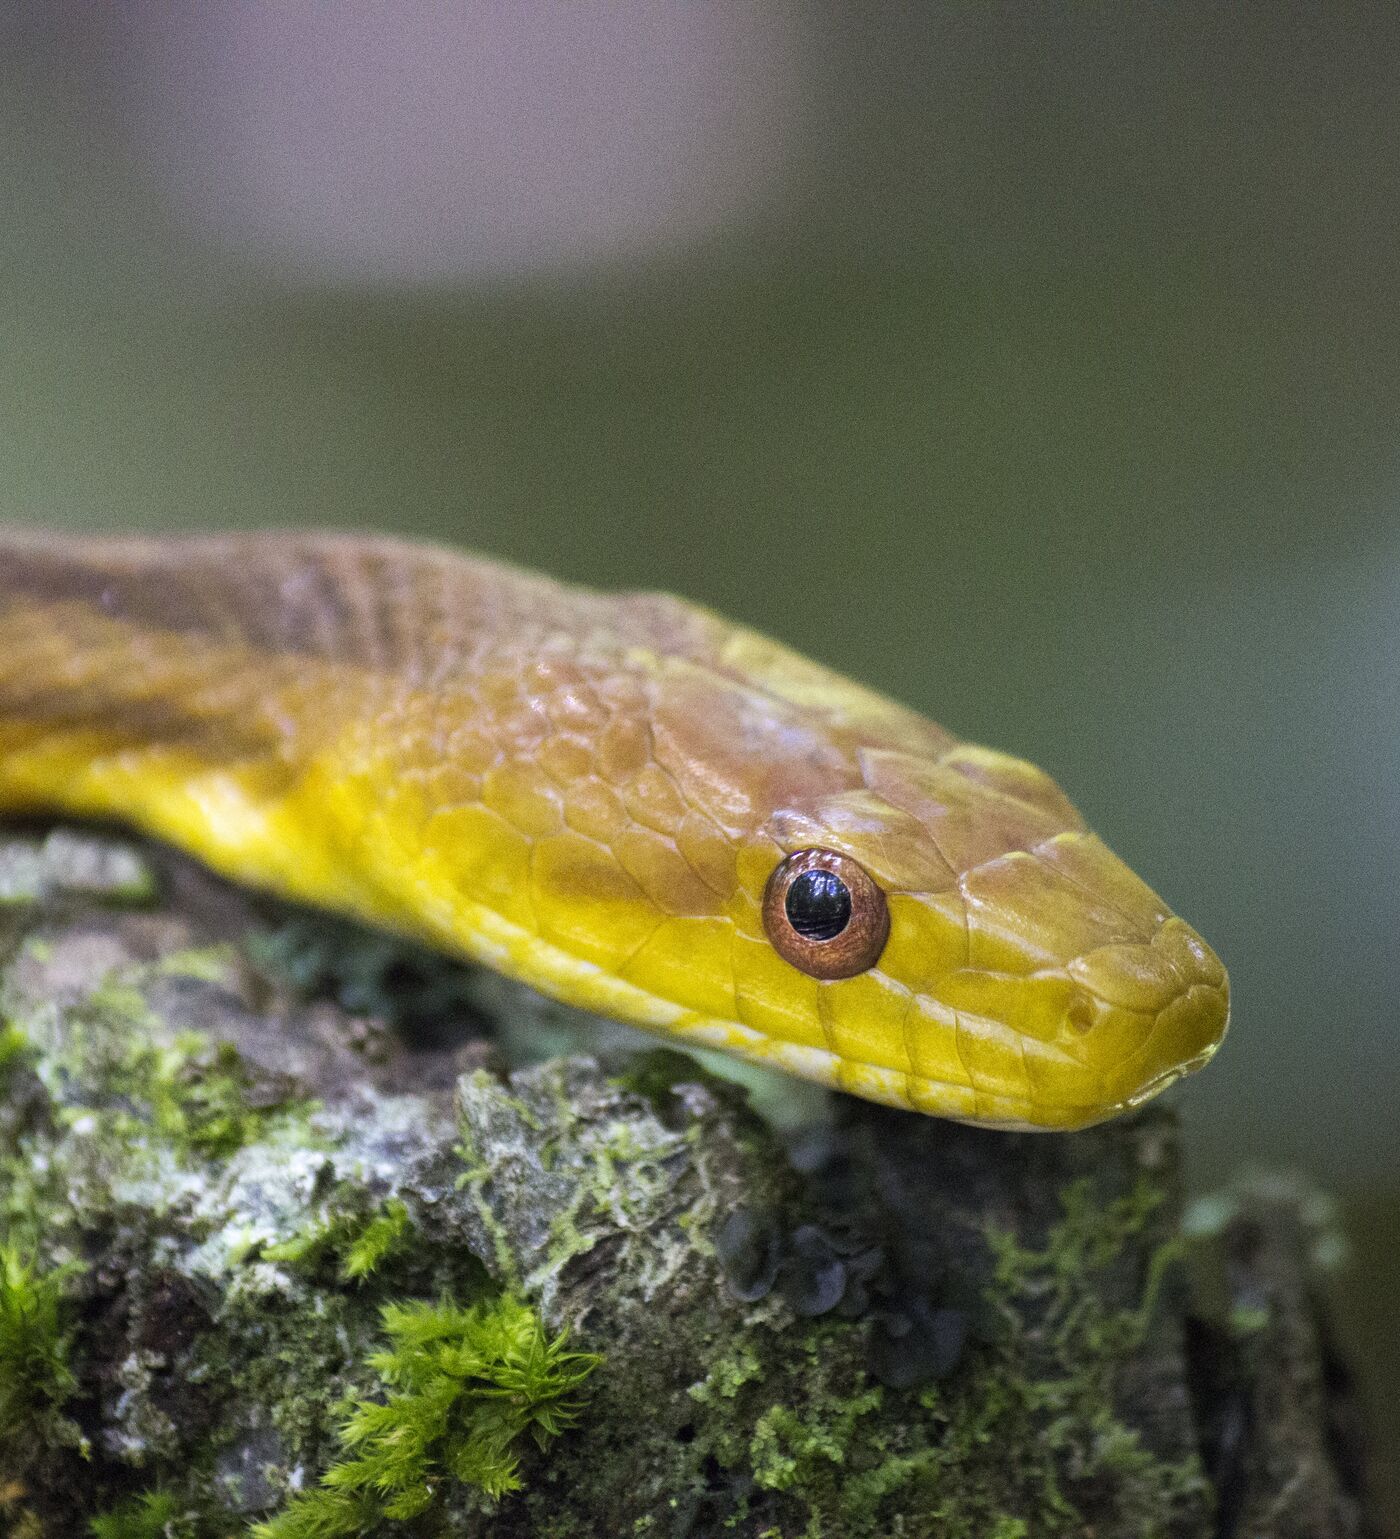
x=1158 y=1010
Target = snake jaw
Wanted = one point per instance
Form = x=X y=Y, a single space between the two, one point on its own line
x=1169 y=1077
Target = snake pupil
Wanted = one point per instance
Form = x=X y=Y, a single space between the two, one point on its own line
x=818 y=905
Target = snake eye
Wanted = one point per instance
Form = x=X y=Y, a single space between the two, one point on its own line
x=818 y=905
x=825 y=915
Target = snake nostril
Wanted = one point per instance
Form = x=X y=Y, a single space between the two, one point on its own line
x=1080 y=1014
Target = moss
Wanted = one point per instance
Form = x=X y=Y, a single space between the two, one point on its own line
x=36 y=1377
x=655 y=1074
x=202 y=1090
x=151 y=1515
x=790 y=1449
x=853 y=1455
x=384 y=1234
x=461 y=1388
x=727 y=1376
x=360 y=1244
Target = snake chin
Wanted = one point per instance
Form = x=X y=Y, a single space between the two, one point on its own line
x=1164 y=1081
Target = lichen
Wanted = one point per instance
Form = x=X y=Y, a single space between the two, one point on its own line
x=1208 y=1216
x=162 y=1085
x=461 y=1388
x=67 y=865
x=553 y=1175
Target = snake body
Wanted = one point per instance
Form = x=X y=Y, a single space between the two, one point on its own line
x=591 y=792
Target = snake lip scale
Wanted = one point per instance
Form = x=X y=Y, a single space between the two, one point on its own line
x=621 y=799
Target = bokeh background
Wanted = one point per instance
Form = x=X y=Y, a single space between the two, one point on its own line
x=1040 y=365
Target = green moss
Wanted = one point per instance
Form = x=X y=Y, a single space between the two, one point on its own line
x=152 y=1515
x=36 y=1338
x=384 y=1234
x=727 y=1376
x=202 y=964
x=462 y=1388
x=254 y=1247
x=359 y=1244
x=790 y=1449
x=201 y=1098
x=655 y=1074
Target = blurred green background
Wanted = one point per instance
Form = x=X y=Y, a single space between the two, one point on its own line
x=1044 y=374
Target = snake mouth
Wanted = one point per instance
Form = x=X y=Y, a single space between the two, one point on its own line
x=1169 y=1076
x=1165 y=1081
x=1080 y=1118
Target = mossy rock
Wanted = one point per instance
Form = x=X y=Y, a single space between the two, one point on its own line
x=289 y=1247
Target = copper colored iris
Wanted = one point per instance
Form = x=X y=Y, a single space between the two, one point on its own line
x=825 y=915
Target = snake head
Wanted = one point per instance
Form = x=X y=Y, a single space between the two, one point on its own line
x=1029 y=978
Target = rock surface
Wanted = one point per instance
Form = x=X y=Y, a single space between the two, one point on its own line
x=265 y=1182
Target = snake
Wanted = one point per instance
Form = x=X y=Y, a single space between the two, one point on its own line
x=620 y=799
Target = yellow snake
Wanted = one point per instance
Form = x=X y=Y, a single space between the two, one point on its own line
x=622 y=799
